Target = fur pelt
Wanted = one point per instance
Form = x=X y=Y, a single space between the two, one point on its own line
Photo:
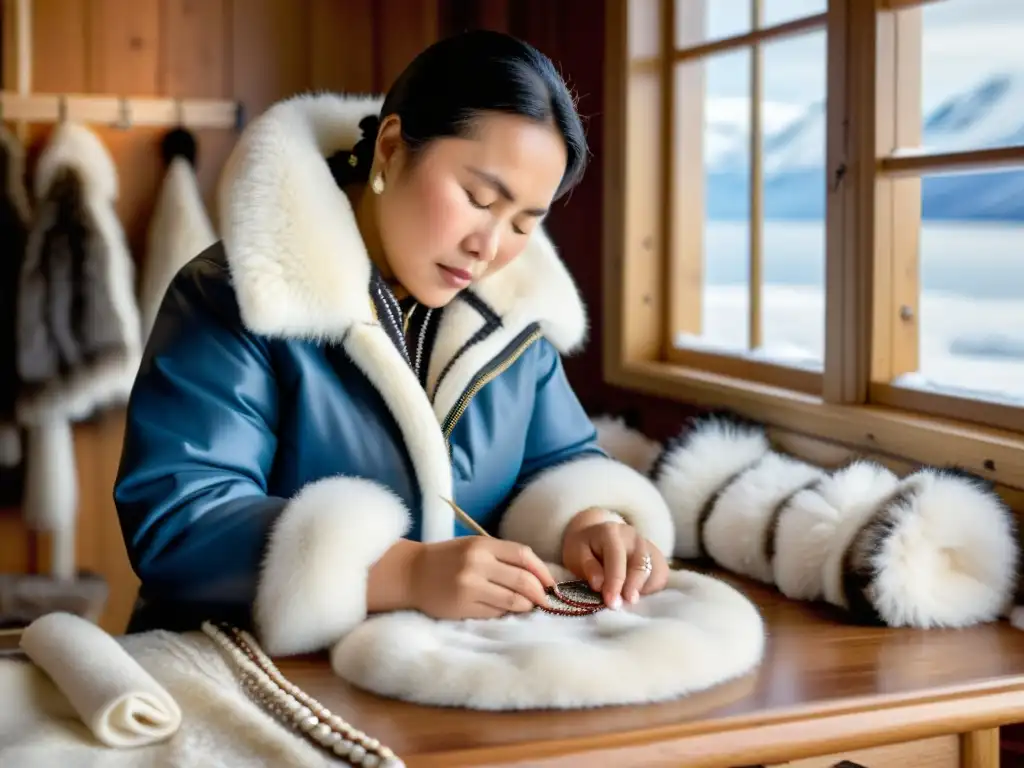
x=937 y=548
x=15 y=220
x=179 y=228
x=78 y=323
x=697 y=633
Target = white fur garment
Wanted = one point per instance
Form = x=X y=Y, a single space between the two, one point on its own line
x=695 y=634
x=179 y=230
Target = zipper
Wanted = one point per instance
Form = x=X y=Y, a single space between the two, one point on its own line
x=495 y=368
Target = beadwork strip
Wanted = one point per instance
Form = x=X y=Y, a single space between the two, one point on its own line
x=263 y=681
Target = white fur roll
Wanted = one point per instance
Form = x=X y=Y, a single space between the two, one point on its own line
x=540 y=512
x=805 y=529
x=696 y=467
x=855 y=492
x=626 y=445
x=740 y=531
x=312 y=588
x=949 y=554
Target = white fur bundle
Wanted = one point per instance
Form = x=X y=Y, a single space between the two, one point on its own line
x=935 y=549
x=626 y=445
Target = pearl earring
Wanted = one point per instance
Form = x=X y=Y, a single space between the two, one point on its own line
x=377 y=185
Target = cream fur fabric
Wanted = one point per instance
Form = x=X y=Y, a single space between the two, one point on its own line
x=116 y=698
x=697 y=633
x=220 y=727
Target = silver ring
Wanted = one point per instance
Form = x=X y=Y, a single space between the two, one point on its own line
x=646 y=565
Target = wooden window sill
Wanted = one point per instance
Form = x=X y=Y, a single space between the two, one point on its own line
x=994 y=454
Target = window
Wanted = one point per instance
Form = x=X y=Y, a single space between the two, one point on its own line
x=949 y=329
x=817 y=218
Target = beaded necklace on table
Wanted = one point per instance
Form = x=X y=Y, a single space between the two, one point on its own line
x=264 y=682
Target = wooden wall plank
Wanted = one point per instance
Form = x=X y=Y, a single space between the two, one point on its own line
x=197 y=63
x=124 y=47
x=403 y=29
x=194 y=49
x=60 y=57
x=270 y=51
x=347 y=28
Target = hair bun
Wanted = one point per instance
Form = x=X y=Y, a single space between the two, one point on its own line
x=370 y=125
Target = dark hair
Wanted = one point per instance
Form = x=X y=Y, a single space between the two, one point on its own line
x=454 y=81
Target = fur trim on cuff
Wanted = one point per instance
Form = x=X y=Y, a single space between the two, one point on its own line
x=312 y=589
x=541 y=511
x=632 y=448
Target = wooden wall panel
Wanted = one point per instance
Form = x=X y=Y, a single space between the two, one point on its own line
x=124 y=47
x=403 y=30
x=347 y=27
x=194 y=49
x=270 y=51
x=196 y=62
x=256 y=51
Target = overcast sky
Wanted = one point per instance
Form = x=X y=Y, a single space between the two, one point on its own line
x=964 y=42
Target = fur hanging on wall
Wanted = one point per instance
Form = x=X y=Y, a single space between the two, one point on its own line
x=937 y=548
x=15 y=219
x=78 y=329
x=78 y=322
x=179 y=229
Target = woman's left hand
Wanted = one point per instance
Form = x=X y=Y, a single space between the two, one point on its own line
x=613 y=558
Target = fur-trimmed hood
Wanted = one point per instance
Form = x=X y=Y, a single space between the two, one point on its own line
x=298 y=263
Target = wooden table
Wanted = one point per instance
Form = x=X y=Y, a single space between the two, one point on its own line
x=826 y=692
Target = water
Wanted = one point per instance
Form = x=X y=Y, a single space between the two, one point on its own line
x=971 y=307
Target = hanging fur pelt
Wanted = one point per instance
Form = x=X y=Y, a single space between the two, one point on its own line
x=179 y=229
x=14 y=223
x=937 y=548
x=78 y=322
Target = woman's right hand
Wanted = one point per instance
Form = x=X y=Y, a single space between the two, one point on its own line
x=475 y=577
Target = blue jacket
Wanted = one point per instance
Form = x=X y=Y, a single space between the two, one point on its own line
x=281 y=435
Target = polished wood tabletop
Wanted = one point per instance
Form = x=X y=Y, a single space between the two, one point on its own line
x=824 y=685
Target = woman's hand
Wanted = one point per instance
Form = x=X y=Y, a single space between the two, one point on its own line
x=474 y=577
x=610 y=556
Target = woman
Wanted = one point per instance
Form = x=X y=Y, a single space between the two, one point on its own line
x=372 y=349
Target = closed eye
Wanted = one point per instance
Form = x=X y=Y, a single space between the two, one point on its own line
x=476 y=203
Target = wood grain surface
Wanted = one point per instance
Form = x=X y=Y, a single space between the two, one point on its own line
x=824 y=687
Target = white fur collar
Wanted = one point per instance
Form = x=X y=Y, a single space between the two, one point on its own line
x=298 y=263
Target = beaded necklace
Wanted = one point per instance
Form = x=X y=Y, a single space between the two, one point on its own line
x=263 y=681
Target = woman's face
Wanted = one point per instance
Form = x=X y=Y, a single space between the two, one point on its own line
x=464 y=207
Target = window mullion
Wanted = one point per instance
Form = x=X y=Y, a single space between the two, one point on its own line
x=756 y=248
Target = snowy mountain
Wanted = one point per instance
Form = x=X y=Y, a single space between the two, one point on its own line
x=988 y=115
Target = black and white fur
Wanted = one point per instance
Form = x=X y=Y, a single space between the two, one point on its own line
x=79 y=341
x=937 y=548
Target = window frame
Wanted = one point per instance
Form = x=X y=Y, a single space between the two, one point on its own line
x=850 y=402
